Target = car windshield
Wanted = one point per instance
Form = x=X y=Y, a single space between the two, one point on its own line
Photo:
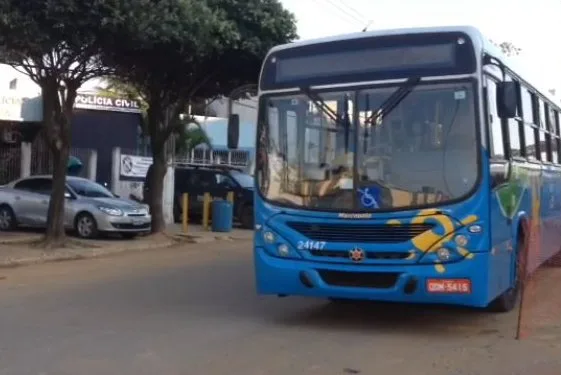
x=89 y=189
x=245 y=180
x=420 y=152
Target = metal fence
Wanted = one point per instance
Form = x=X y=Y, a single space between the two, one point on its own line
x=42 y=159
x=235 y=158
x=10 y=163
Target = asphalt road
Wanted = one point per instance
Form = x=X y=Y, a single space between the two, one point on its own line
x=194 y=311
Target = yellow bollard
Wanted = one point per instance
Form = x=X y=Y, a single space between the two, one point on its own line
x=206 y=209
x=230 y=197
x=185 y=212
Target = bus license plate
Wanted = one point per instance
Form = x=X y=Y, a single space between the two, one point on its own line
x=460 y=286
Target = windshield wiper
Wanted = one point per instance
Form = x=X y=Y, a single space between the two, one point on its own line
x=334 y=116
x=389 y=105
x=393 y=100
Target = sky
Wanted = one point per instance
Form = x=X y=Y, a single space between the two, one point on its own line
x=532 y=25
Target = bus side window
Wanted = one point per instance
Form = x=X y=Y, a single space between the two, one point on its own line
x=496 y=141
x=557 y=146
x=530 y=133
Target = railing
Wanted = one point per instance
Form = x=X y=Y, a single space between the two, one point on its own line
x=42 y=159
x=10 y=164
x=234 y=158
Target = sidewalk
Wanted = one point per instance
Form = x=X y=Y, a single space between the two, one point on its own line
x=197 y=234
x=19 y=248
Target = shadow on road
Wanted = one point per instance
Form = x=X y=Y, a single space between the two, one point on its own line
x=373 y=317
x=218 y=284
x=224 y=289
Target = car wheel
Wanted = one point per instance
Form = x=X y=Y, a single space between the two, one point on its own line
x=129 y=236
x=85 y=226
x=7 y=218
x=246 y=217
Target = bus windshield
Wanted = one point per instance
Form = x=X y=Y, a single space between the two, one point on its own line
x=421 y=152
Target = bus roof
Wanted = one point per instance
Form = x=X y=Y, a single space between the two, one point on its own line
x=481 y=42
x=470 y=30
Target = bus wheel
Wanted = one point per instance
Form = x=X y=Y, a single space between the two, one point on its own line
x=508 y=300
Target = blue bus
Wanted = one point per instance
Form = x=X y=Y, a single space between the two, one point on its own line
x=411 y=165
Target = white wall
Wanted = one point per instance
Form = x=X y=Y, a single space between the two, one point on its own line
x=124 y=188
x=26 y=87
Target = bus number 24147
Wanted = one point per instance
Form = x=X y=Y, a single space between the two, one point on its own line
x=311 y=245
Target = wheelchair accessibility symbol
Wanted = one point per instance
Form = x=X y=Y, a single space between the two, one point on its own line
x=369 y=197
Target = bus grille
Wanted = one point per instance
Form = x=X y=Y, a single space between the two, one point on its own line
x=363 y=233
x=372 y=255
x=359 y=279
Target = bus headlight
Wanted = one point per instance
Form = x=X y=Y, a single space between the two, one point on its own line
x=476 y=228
x=269 y=237
x=275 y=245
x=461 y=240
x=283 y=250
x=443 y=254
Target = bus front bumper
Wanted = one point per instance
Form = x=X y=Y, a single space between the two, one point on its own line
x=462 y=283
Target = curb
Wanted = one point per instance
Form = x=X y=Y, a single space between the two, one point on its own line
x=19 y=240
x=52 y=258
x=206 y=239
x=174 y=241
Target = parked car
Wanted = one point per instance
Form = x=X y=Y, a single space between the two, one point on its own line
x=216 y=180
x=90 y=208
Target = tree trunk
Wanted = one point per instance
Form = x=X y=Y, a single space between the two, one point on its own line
x=55 y=233
x=57 y=115
x=157 y=190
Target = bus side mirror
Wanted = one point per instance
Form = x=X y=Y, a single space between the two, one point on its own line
x=507 y=99
x=501 y=172
x=233 y=131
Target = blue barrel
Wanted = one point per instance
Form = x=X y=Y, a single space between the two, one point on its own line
x=222 y=216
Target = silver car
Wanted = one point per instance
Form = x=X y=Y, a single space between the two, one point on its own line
x=90 y=208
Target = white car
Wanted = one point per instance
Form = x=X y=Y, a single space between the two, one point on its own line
x=90 y=209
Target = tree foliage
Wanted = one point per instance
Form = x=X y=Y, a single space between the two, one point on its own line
x=191 y=136
x=57 y=44
x=176 y=51
x=508 y=48
x=259 y=25
x=188 y=136
x=118 y=89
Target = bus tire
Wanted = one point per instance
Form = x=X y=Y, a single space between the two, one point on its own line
x=507 y=301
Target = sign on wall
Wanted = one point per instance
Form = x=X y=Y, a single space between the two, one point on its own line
x=105 y=103
x=134 y=166
x=17 y=108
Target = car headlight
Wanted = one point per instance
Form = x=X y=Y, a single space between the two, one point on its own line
x=142 y=211
x=111 y=211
